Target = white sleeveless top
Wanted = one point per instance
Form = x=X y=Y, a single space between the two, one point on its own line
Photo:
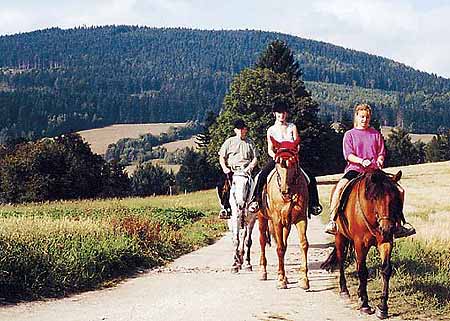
x=280 y=136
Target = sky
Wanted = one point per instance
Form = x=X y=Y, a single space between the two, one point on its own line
x=411 y=32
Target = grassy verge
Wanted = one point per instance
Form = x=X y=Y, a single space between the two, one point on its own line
x=420 y=284
x=49 y=250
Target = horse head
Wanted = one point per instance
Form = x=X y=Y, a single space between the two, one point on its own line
x=286 y=163
x=384 y=198
x=240 y=188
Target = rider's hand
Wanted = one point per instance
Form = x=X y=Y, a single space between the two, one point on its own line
x=380 y=162
x=248 y=170
x=226 y=170
x=366 y=163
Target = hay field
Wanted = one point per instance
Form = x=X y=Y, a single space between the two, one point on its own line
x=100 y=138
x=179 y=144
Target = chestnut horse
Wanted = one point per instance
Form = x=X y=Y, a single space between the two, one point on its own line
x=285 y=202
x=368 y=219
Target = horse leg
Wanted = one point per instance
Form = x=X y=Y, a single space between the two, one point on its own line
x=385 y=250
x=280 y=234
x=263 y=228
x=301 y=229
x=248 y=243
x=241 y=246
x=341 y=245
x=361 y=255
x=233 y=224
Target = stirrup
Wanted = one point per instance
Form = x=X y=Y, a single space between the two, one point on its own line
x=403 y=231
x=316 y=209
x=331 y=228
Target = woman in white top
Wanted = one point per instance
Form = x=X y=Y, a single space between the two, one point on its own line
x=282 y=130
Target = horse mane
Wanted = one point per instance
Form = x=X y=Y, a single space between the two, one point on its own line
x=378 y=183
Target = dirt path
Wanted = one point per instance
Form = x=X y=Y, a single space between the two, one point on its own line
x=199 y=286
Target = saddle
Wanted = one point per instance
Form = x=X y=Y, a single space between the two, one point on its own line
x=346 y=193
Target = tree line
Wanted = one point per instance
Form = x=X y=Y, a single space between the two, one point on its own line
x=64 y=167
x=56 y=81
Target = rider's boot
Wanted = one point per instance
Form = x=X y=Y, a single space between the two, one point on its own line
x=404 y=230
x=255 y=205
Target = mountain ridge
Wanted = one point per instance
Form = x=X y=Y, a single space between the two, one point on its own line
x=57 y=80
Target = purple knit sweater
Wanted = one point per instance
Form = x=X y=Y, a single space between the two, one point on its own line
x=364 y=143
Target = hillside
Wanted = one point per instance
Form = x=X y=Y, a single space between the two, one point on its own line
x=54 y=81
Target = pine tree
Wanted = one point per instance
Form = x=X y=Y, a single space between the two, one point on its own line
x=401 y=150
x=280 y=59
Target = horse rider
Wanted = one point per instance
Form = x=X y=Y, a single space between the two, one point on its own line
x=237 y=153
x=282 y=130
x=363 y=148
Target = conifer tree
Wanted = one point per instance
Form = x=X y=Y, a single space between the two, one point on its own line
x=280 y=59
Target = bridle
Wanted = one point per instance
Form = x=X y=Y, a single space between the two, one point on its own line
x=379 y=218
x=246 y=186
x=285 y=157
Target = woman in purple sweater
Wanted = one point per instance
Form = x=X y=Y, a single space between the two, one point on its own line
x=364 y=150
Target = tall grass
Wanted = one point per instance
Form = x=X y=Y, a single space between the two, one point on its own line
x=51 y=249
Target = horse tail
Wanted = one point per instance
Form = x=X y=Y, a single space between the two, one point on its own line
x=267 y=233
x=332 y=261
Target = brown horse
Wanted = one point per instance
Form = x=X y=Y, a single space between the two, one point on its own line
x=368 y=219
x=285 y=203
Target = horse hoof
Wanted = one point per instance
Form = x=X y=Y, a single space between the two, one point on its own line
x=263 y=276
x=282 y=285
x=234 y=269
x=248 y=268
x=344 y=295
x=366 y=310
x=304 y=284
x=381 y=314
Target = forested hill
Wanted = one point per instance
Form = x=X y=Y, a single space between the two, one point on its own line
x=55 y=80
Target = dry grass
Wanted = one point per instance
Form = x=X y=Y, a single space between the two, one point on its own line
x=100 y=138
x=179 y=144
x=130 y=169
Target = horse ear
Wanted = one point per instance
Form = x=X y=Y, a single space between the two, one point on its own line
x=275 y=143
x=397 y=176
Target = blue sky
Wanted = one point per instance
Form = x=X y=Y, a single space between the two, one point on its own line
x=412 y=32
